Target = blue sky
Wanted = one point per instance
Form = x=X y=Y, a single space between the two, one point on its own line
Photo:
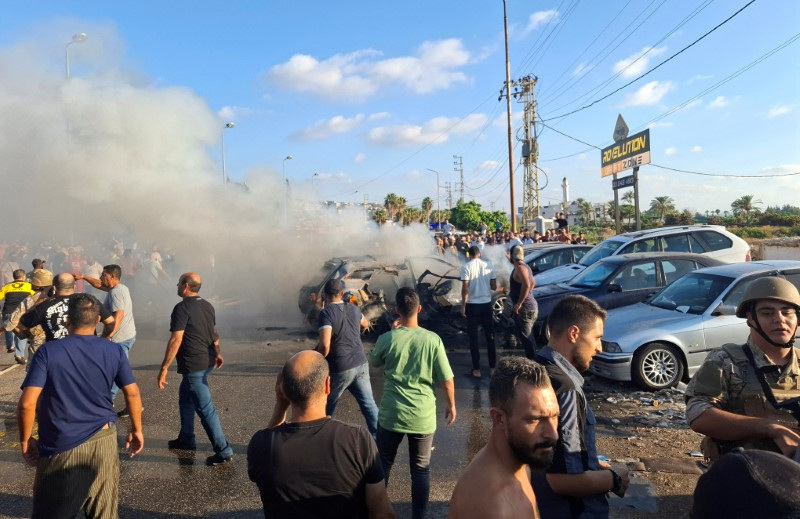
x=369 y=95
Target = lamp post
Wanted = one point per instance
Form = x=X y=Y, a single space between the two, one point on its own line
x=312 y=180
x=224 y=173
x=285 y=180
x=76 y=38
x=438 y=207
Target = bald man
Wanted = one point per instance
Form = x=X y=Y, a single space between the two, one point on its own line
x=195 y=342
x=313 y=465
x=52 y=314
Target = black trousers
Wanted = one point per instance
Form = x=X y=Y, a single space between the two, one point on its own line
x=480 y=314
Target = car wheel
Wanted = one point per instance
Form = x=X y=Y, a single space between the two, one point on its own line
x=497 y=309
x=657 y=366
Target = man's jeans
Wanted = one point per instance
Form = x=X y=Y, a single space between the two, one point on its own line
x=126 y=347
x=523 y=329
x=356 y=380
x=480 y=314
x=194 y=395
x=419 y=461
x=18 y=344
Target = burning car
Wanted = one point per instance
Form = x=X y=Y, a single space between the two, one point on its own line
x=372 y=283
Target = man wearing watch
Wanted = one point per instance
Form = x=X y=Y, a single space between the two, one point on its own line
x=577 y=482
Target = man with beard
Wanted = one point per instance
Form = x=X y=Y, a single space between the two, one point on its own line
x=524 y=417
x=577 y=482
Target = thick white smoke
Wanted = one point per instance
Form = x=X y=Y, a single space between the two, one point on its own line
x=112 y=153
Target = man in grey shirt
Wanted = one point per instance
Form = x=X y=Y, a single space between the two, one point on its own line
x=118 y=303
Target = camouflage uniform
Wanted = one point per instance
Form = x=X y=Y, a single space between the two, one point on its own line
x=728 y=381
x=36 y=334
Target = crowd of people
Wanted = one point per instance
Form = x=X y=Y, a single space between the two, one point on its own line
x=540 y=459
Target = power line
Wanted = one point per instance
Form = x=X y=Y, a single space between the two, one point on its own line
x=725 y=175
x=656 y=67
x=650 y=48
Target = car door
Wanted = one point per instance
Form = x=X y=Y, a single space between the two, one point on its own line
x=723 y=329
x=676 y=268
x=637 y=281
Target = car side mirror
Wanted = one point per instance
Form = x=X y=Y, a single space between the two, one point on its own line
x=614 y=287
x=723 y=309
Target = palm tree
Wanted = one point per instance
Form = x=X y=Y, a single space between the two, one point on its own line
x=585 y=209
x=744 y=205
x=627 y=209
x=662 y=205
x=427 y=207
x=380 y=215
x=394 y=204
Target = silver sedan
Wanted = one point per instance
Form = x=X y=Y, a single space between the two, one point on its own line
x=664 y=340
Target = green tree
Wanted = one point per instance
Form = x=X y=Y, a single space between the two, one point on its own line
x=466 y=216
x=585 y=209
x=662 y=206
x=427 y=207
x=394 y=204
x=380 y=215
x=744 y=206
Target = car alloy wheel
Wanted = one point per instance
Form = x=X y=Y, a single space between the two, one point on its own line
x=657 y=366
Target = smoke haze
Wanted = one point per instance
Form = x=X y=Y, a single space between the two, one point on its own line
x=110 y=153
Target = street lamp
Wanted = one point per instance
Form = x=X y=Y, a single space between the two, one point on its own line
x=76 y=38
x=224 y=173
x=288 y=157
x=312 y=180
x=438 y=208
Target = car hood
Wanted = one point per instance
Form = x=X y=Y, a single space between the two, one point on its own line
x=558 y=274
x=624 y=323
x=556 y=289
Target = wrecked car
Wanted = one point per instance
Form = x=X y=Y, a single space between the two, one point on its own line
x=372 y=284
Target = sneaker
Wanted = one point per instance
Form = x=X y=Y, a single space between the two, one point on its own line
x=10 y=350
x=179 y=445
x=20 y=360
x=216 y=459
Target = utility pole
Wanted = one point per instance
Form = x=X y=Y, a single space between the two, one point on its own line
x=531 y=206
x=491 y=204
x=449 y=188
x=458 y=162
x=508 y=112
x=365 y=209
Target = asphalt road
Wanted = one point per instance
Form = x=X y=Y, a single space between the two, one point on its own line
x=160 y=483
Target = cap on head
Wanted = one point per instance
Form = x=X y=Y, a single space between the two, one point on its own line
x=769 y=287
x=517 y=252
x=42 y=278
x=38 y=263
x=750 y=483
x=333 y=287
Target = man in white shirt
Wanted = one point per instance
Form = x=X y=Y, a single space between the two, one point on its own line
x=478 y=280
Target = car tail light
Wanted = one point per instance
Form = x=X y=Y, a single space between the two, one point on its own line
x=747 y=256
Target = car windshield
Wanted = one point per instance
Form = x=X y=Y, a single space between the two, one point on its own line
x=691 y=294
x=600 y=251
x=593 y=276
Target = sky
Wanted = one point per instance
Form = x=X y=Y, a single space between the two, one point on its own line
x=369 y=97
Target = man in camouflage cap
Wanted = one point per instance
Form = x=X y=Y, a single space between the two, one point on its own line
x=749 y=395
x=41 y=282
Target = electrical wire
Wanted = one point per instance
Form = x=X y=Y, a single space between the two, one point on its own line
x=648 y=50
x=654 y=68
x=725 y=175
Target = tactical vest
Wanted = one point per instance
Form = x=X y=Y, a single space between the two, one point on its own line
x=753 y=402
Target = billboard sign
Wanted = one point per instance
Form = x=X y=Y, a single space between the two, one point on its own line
x=626 y=154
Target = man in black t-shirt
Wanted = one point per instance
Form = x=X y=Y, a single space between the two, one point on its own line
x=52 y=314
x=312 y=465
x=195 y=342
x=340 y=326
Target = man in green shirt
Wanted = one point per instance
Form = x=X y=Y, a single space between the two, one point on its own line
x=413 y=361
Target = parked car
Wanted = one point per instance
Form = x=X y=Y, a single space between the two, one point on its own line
x=659 y=342
x=540 y=259
x=711 y=240
x=619 y=280
x=372 y=284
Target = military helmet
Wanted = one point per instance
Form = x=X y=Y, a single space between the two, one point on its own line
x=768 y=287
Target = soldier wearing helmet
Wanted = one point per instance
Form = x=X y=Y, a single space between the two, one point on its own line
x=748 y=395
